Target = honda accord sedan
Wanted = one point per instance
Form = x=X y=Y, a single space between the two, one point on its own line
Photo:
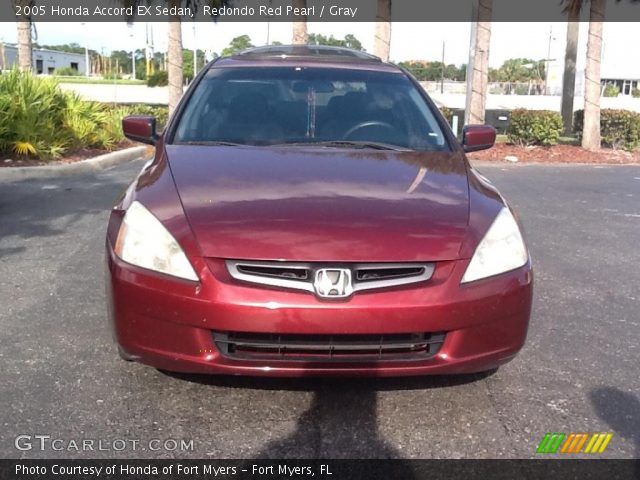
x=309 y=211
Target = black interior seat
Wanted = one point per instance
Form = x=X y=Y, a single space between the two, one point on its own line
x=250 y=120
x=342 y=113
x=292 y=117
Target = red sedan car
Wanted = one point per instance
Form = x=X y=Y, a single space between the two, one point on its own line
x=309 y=212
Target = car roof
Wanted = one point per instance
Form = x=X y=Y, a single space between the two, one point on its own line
x=322 y=55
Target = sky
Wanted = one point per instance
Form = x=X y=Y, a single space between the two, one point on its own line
x=410 y=41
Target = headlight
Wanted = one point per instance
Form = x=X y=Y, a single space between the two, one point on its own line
x=502 y=249
x=144 y=242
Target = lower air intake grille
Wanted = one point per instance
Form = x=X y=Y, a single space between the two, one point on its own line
x=323 y=348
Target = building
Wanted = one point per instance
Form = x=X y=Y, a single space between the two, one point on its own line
x=44 y=61
x=625 y=77
x=626 y=85
x=623 y=73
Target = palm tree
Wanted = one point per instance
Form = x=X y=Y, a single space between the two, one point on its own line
x=591 y=128
x=25 y=47
x=478 y=66
x=570 y=58
x=174 y=59
x=174 y=54
x=300 y=35
x=174 y=47
x=382 y=40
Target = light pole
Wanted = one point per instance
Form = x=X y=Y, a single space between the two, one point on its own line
x=195 y=52
x=269 y=25
x=87 y=65
x=546 y=63
x=149 y=50
x=442 y=76
x=133 y=58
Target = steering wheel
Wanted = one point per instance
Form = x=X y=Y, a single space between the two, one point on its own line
x=368 y=124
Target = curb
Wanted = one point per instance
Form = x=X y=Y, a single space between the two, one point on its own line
x=9 y=174
x=502 y=163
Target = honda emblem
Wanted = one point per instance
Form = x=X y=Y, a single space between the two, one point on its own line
x=333 y=283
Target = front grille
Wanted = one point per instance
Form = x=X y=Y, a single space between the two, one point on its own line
x=327 y=348
x=300 y=276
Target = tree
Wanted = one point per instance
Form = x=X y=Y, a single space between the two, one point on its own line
x=25 y=47
x=187 y=62
x=431 y=71
x=478 y=68
x=174 y=59
x=300 y=36
x=570 y=58
x=591 y=128
x=238 y=43
x=591 y=125
x=518 y=70
x=382 y=39
x=174 y=54
x=67 y=47
x=349 y=41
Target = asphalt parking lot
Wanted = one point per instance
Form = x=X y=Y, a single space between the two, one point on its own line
x=579 y=371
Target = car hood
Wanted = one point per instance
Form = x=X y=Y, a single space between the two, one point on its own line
x=322 y=204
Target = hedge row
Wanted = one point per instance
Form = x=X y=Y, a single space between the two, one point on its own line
x=619 y=129
x=160 y=112
x=534 y=127
x=158 y=79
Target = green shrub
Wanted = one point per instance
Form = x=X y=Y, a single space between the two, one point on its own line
x=534 y=127
x=618 y=128
x=32 y=116
x=635 y=93
x=521 y=89
x=158 y=79
x=160 y=112
x=66 y=72
x=611 y=91
x=42 y=121
x=447 y=113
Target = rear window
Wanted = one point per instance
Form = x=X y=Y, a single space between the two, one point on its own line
x=293 y=105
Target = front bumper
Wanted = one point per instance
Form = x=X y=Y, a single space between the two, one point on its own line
x=169 y=323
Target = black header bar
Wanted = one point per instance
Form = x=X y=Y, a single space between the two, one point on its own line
x=316 y=10
x=318 y=469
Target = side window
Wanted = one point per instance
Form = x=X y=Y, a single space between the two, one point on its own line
x=192 y=125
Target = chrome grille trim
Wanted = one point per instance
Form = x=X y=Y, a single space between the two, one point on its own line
x=234 y=268
x=240 y=270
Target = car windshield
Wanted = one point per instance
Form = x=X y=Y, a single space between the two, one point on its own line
x=298 y=106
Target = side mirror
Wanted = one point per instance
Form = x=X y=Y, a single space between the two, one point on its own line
x=478 y=137
x=140 y=129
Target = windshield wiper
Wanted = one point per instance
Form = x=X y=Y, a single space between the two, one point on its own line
x=349 y=144
x=212 y=143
